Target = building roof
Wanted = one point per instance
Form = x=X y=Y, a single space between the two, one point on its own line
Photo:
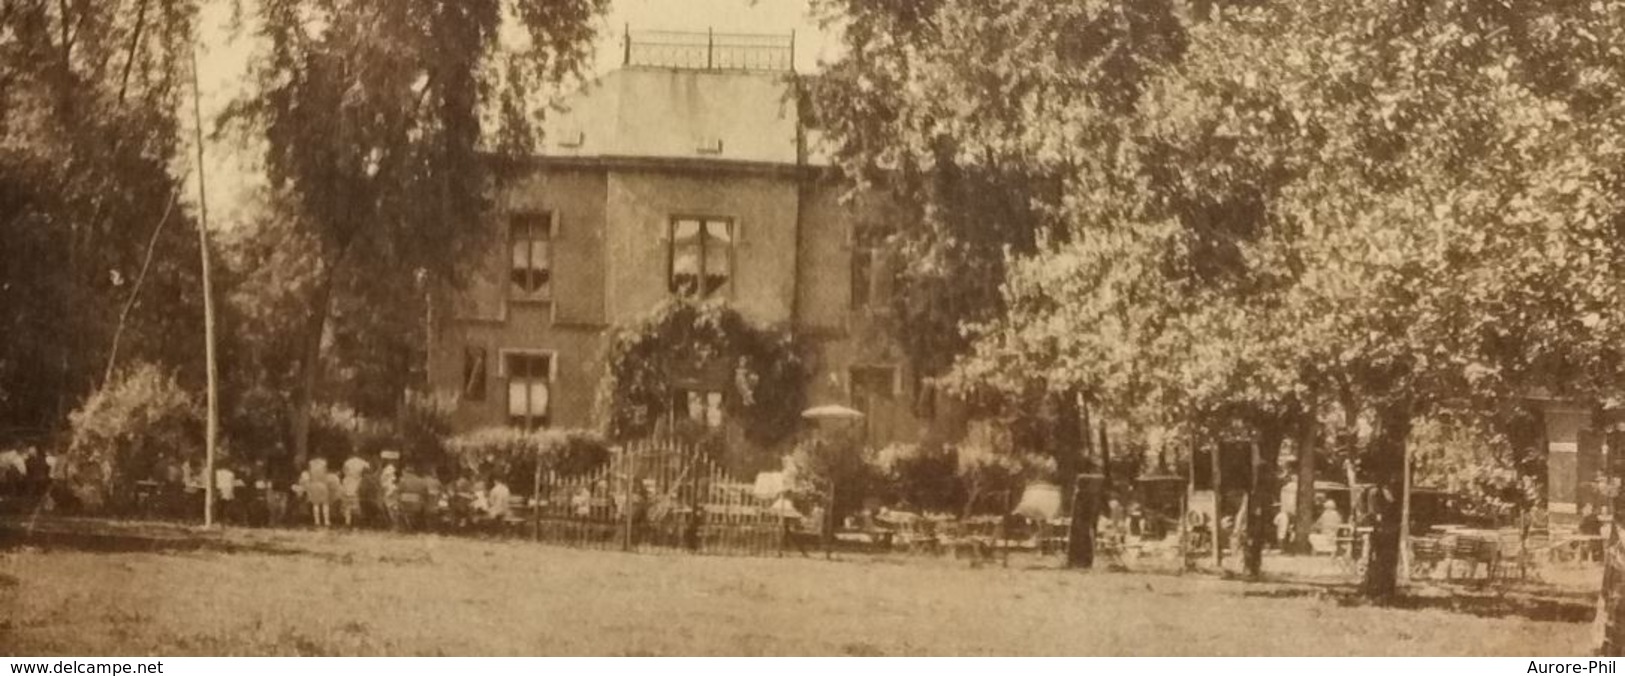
x=681 y=113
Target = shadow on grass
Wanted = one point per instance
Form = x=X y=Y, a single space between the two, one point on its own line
x=89 y=536
x=1526 y=601
x=1541 y=605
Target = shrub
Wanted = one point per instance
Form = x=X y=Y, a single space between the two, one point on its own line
x=128 y=430
x=514 y=454
x=833 y=461
x=338 y=431
x=423 y=429
x=921 y=478
x=994 y=472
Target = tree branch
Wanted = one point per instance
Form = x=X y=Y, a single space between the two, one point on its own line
x=135 y=293
x=135 y=44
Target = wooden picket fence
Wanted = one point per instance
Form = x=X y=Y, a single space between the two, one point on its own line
x=656 y=495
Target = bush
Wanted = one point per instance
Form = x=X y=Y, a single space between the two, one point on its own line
x=993 y=471
x=129 y=430
x=420 y=432
x=513 y=453
x=833 y=461
x=338 y=431
x=424 y=428
x=921 y=478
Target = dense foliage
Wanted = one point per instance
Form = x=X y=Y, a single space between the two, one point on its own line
x=1496 y=478
x=760 y=372
x=129 y=430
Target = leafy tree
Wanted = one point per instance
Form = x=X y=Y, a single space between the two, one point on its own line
x=89 y=93
x=933 y=105
x=268 y=272
x=1381 y=207
x=386 y=126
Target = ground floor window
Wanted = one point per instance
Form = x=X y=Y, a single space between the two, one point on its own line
x=530 y=380
x=874 y=390
x=698 y=407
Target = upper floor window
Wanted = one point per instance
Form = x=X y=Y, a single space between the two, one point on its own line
x=530 y=238
x=530 y=379
x=701 y=255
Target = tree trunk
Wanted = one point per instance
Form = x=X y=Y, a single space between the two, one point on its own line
x=310 y=370
x=1080 y=543
x=1387 y=468
x=1610 y=620
x=1215 y=459
x=1262 y=494
x=1305 y=518
x=1066 y=447
x=1105 y=461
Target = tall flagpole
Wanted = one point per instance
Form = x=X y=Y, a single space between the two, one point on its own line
x=208 y=308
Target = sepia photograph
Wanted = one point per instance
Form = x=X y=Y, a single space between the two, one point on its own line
x=789 y=328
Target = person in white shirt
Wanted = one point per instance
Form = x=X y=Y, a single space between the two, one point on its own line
x=12 y=471
x=496 y=502
x=354 y=467
x=225 y=492
x=1283 y=526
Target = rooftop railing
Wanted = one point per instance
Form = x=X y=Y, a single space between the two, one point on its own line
x=709 y=50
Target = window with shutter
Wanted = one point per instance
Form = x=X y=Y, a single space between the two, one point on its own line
x=474 y=374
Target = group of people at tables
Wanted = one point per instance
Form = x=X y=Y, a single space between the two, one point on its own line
x=360 y=491
x=407 y=498
x=31 y=473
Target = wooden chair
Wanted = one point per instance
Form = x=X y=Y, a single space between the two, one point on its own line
x=519 y=513
x=1350 y=550
x=1426 y=555
x=1474 y=551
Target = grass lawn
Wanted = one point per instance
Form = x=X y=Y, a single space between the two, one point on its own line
x=284 y=592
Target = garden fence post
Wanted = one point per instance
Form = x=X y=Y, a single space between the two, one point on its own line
x=536 y=502
x=626 y=502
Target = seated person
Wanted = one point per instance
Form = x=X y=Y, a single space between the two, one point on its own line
x=412 y=497
x=497 y=501
x=1330 y=519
